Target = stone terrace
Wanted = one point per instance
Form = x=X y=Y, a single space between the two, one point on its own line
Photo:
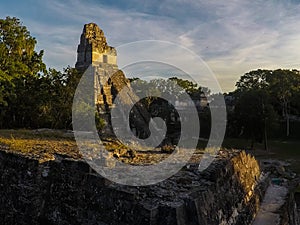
x=68 y=191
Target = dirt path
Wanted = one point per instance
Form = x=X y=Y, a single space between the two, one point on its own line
x=273 y=200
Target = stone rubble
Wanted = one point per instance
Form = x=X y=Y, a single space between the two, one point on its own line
x=68 y=191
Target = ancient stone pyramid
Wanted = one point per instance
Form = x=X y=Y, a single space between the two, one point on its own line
x=94 y=51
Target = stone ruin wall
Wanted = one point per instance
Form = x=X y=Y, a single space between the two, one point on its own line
x=68 y=191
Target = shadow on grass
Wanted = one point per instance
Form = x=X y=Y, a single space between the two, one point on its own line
x=284 y=149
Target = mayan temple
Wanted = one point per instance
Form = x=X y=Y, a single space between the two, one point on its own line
x=94 y=50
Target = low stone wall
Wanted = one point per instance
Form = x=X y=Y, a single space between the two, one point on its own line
x=68 y=191
x=290 y=211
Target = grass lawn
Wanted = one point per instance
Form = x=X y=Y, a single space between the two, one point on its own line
x=44 y=144
x=41 y=145
x=278 y=149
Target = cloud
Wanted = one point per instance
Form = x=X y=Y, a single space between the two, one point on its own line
x=233 y=37
x=246 y=36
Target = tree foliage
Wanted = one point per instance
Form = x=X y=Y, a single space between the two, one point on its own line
x=274 y=92
x=30 y=95
x=253 y=80
x=20 y=70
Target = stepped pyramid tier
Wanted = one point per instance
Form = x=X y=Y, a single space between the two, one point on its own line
x=108 y=79
x=93 y=48
x=94 y=51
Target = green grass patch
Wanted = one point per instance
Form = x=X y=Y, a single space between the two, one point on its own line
x=38 y=144
x=280 y=149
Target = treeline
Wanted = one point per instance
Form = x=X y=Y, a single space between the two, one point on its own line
x=266 y=103
x=30 y=95
x=162 y=96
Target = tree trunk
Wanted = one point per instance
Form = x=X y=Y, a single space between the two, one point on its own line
x=287 y=118
x=265 y=136
x=265 y=127
x=287 y=125
x=285 y=115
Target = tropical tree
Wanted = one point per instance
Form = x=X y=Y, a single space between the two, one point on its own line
x=20 y=69
x=189 y=86
x=284 y=85
x=256 y=79
x=254 y=111
x=255 y=114
x=56 y=110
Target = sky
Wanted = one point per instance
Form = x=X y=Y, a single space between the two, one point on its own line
x=232 y=37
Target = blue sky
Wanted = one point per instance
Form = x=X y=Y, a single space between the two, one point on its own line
x=232 y=37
